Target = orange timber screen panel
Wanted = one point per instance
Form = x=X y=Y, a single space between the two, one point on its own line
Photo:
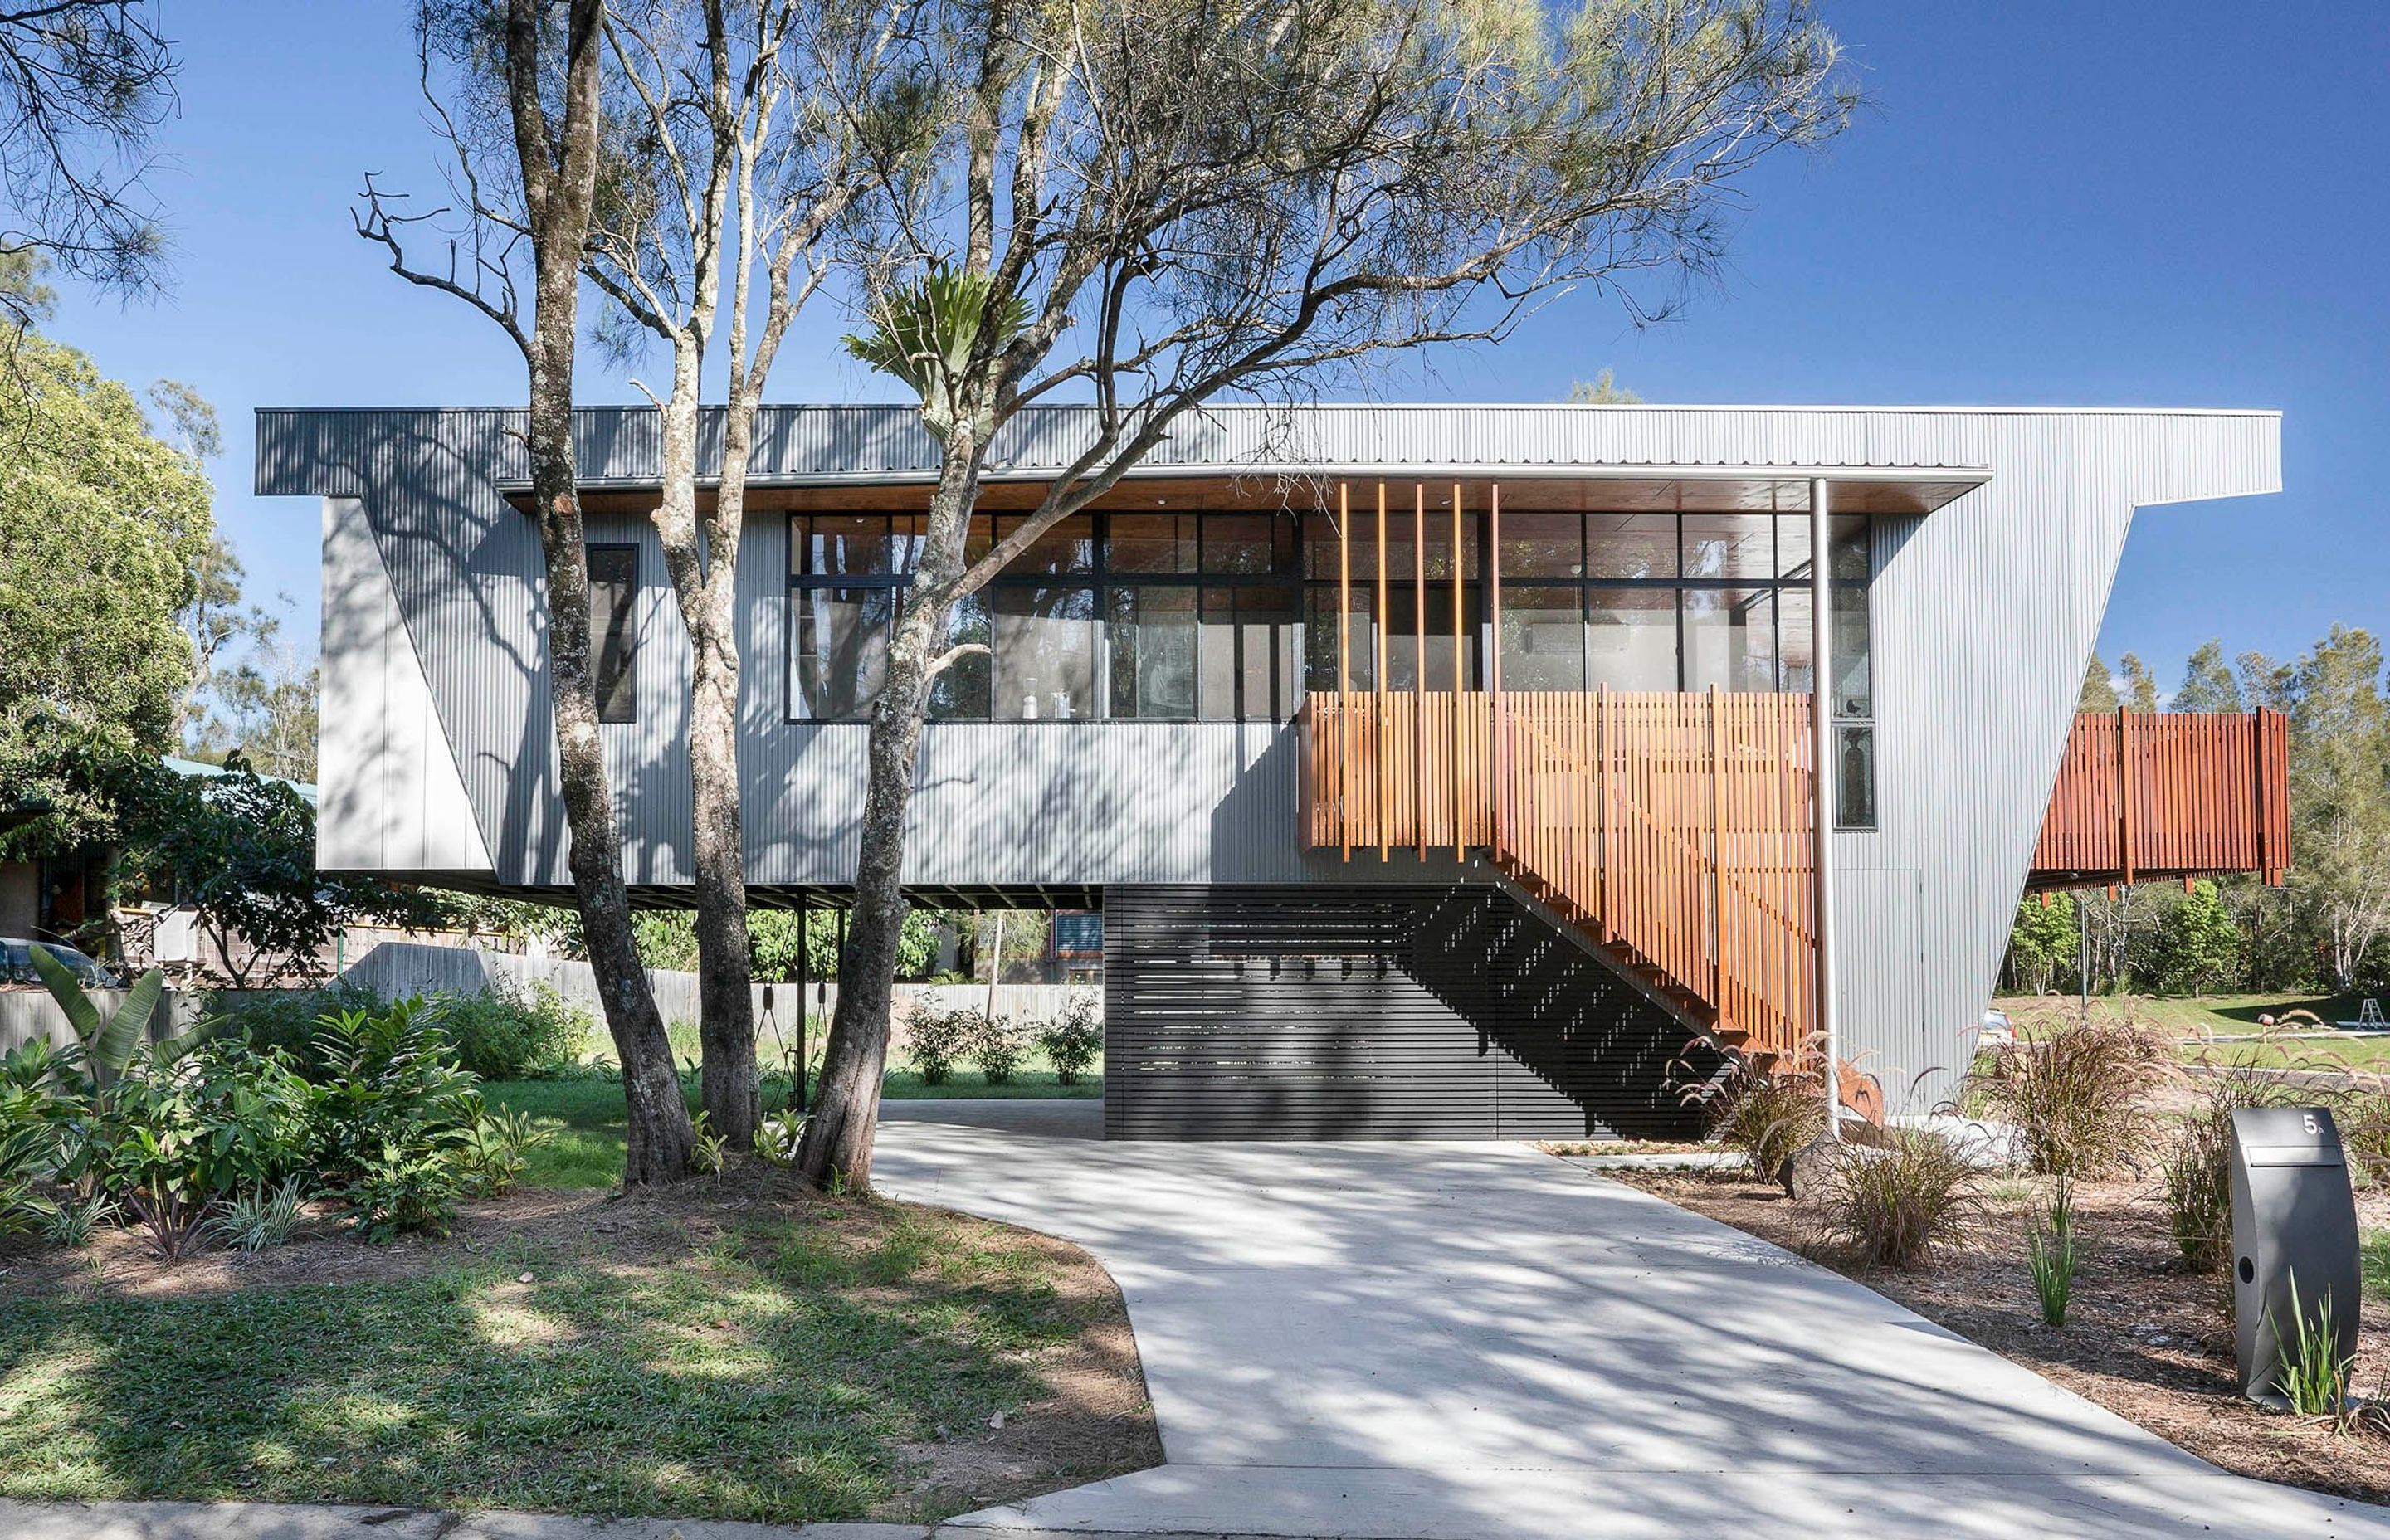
x=1674 y=827
x=2143 y=795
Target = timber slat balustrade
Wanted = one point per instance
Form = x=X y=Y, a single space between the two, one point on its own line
x=1673 y=828
x=2145 y=796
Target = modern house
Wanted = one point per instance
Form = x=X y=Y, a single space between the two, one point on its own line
x=1436 y=770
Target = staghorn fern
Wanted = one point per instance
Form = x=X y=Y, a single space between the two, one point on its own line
x=926 y=333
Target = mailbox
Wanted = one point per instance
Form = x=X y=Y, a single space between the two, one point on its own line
x=2294 y=1224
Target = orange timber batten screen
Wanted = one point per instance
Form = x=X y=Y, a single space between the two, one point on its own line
x=2143 y=796
x=1673 y=829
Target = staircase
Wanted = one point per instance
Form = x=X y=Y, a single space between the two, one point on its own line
x=1669 y=834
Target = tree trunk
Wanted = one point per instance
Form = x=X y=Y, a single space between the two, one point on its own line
x=558 y=193
x=847 y=1110
x=725 y=958
x=726 y=1026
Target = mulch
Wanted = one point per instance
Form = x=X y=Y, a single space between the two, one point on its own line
x=2145 y=1337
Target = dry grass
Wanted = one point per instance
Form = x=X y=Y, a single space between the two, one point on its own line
x=1898 y=1203
x=2075 y=1090
x=1765 y=1114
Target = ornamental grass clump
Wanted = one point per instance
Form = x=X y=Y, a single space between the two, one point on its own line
x=1895 y=1203
x=2075 y=1091
x=2198 y=1165
x=1767 y=1114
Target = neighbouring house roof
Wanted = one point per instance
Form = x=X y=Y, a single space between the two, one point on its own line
x=203 y=770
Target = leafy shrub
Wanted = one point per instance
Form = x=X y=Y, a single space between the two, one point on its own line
x=508 y=1030
x=2052 y=1252
x=1767 y=1114
x=491 y=1156
x=396 y=1117
x=777 y=1137
x=289 y=1020
x=178 y=1135
x=2074 y=1090
x=162 y=1132
x=259 y=1218
x=2364 y=1119
x=1895 y=1203
x=2313 y=1375
x=709 y=1153
x=996 y=1047
x=505 y=1033
x=935 y=1039
x=73 y=1222
x=400 y=1189
x=1073 y=1039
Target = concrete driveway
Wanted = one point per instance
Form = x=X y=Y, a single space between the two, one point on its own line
x=1461 y=1341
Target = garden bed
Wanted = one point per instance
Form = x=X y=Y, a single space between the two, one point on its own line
x=742 y=1348
x=2145 y=1338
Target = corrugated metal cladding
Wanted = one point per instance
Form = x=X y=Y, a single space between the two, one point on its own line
x=1985 y=614
x=1383 y=1013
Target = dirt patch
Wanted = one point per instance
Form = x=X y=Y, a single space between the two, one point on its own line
x=2144 y=1338
x=1094 y=1422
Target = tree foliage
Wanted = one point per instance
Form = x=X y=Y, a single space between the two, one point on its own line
x=2098 y=688
x=102 y=526
x=1151 y=204
x=241 y=847
x=2043 y=942
x=2207 y=683
x=84 y=85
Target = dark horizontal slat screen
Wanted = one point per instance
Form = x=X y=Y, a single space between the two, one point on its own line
x=1372 y=1013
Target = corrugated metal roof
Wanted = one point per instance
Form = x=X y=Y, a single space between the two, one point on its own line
x=328 y=450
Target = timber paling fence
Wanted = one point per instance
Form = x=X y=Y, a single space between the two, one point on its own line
x=393 y=970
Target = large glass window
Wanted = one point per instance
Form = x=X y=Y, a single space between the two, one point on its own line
x=614 y=627
x=1543 y=638
x=1729 y=638
x=1151 y=633
x=1045 y=641
x=838 y=653
x=1231 y=616
x=1133 y=615
x=1631 y=638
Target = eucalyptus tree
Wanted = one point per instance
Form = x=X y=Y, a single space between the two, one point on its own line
x=1146 y=205
x=515 y=87
x=722 y=172
x=84 y=86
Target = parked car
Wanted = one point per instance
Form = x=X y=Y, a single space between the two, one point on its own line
x=17 y=963
x=1996 y=1031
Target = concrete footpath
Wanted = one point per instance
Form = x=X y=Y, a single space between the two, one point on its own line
x=306 y=1521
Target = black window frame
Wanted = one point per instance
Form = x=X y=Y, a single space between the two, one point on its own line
x=1105 y=581
x=625 y=679
x=1301 y=589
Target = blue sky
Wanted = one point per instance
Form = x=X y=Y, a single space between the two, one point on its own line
x=2047 y=203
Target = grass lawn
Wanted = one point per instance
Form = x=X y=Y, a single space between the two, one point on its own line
x=2369 y=1054
x=739 y=1350
x=2212 y=1014
x=587 y=1151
